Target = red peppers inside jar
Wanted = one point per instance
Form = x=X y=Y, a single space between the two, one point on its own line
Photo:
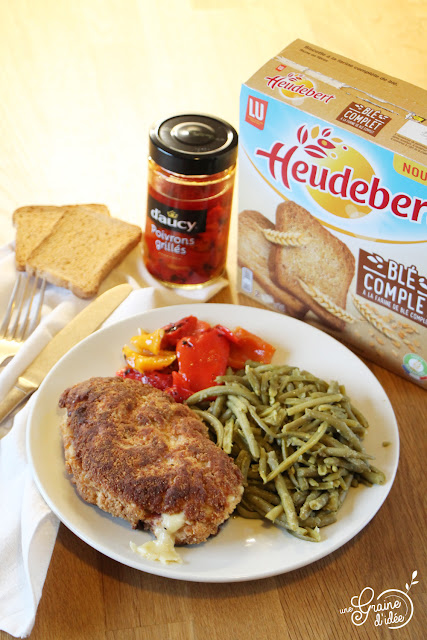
x=191 y=172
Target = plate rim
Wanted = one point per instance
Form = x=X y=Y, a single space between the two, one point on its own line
x=165 y=570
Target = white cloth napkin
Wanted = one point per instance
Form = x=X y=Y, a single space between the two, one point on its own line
x=27 y=526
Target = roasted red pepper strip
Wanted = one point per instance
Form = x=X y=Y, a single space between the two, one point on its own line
x=201 y=327
x=184 y=328
x=179 y=389
x=177 y=330
x=203 y=353
x=201 y=358
x=156 y=379
x=227 y=333
x=249 y=347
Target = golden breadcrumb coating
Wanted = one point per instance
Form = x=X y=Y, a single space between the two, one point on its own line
x=136 y=453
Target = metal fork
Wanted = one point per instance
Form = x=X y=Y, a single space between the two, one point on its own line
x=19 y=322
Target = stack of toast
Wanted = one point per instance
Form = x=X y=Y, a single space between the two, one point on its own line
x=298 y=262
x=72 y=246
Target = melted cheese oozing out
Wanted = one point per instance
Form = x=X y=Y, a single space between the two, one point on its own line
x=162 y=548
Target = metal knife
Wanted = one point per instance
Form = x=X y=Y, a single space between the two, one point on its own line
x=85 y=323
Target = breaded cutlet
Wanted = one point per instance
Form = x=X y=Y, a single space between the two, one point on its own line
x=137 y=454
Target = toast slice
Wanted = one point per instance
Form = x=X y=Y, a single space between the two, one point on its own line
x=254 y=250
x=34 y=223
x=319 y=272
x=81 y=250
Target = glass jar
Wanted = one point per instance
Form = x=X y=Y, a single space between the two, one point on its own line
x=191 y=169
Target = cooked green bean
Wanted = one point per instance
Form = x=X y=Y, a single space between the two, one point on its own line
x=239 y=411
x=262 y=465
x=374 y=476
x=320 y=520
x=247 y=513
x=314 y=402
x=243 y=461
x=294 y=424
x=214 y=423
x=294 y=456
x=274 y=513
x=269 y=496
x=217 y=407
x=282 y=490
x=232 y=389
x=306 y=509
x=341 y=427
x=297 y=439
x=227 y=440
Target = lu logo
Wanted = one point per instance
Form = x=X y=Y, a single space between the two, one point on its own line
x=256 y=112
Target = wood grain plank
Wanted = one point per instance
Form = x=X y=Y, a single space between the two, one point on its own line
x=237 y=610
x=137 y=599
x=72 y=605
x=170 y=631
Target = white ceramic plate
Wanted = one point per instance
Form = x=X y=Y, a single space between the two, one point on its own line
x=243 y=549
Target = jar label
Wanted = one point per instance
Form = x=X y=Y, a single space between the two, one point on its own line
x=187 y=221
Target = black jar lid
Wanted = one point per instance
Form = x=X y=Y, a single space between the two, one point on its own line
x=193 y=144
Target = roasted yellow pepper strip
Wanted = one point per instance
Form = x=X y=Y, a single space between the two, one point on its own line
x=143 y=363
x=148 y=341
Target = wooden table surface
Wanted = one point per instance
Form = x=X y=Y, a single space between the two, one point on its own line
x=80 y=83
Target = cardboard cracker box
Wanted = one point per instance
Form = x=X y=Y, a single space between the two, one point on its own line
x=333 y=202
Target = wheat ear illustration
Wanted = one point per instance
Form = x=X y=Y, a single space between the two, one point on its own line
x=326 y=302
x=375 y=320
x=286 y=238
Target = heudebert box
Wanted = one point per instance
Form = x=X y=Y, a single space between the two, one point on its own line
x=333 y=202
